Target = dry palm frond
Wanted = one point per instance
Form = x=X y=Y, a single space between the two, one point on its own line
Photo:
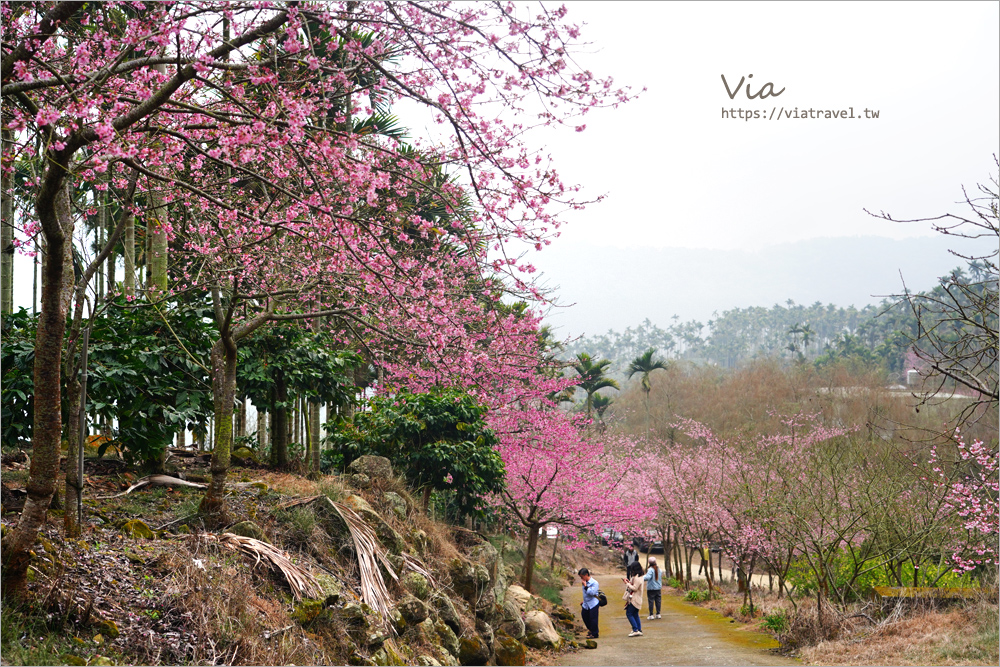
x=295 y=502
x=155 y=480
x=373 y=589
x=299 y=580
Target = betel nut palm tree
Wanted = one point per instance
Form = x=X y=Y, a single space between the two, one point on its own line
x=592 y=377
x=645 y=364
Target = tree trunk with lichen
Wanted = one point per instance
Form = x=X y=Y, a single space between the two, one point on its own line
x=213 y=505
x=53 y=208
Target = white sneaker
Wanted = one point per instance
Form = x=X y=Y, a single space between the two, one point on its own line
x=639 y=633
x=633 y=633
x=658 y=616
x=649 y=618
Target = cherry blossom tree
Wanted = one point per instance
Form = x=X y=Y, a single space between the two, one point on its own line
x=971 y=492
x=242 y=116
x=556 y=475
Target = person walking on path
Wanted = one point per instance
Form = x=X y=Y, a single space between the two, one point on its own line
x=654 y=589
x=634 y=586
x=630 y=556
x=591 y=603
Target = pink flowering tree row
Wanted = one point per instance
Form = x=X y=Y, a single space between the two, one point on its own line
x=839 y=501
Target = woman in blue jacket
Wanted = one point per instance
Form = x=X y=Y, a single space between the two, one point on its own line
x=654 y=587
x=591 y=604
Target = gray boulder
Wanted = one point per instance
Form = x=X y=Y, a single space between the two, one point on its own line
x=413 y=610
x=539 y=631
x=446 y=611
x=376 y=467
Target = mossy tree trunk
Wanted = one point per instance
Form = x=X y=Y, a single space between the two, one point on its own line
x=314 y=434
x=53 y=208
x=213 y=507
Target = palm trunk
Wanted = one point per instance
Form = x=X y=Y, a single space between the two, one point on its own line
x=314 y=434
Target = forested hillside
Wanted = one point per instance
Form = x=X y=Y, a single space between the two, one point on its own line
x=874 y=335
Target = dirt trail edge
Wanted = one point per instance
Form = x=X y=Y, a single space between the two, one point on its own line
x=686 y=635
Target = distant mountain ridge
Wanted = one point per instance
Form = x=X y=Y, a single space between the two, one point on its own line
x=636 y=284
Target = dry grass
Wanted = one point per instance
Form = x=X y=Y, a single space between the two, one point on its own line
x=226 y=621
x=288 y=484
x=438 y=536
x=959 y=636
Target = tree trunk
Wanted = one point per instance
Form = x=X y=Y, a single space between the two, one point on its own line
x=156 y=230
x=129 y=253
x=529 y=555
x=102 y=222
x=555 y=544
x=73 y=515
x=298 y=422
x=427 y=497
x=53 y=208
x=307 y=434
x=665 y=540
x=279 y=423
x=112 y=266
x=34 y=280
x=314 y=434
x=690 y=557
x=706 y=562
x=213 y=505
x=7 y=235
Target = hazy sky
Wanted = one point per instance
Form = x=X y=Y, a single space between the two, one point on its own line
x=677 y=174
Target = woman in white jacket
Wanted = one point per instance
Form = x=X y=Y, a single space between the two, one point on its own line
x=634 y=590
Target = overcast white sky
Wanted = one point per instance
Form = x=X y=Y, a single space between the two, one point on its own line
x=678 y=175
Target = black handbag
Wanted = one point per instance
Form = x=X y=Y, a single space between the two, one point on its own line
x=602 y=599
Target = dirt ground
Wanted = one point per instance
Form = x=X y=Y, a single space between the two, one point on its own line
x=686 y=635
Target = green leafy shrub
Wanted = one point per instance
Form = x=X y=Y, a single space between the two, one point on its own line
x=776 y=621
x=697 y=596
x=801 y=576
x=437 y=440
x=138 y=375
x=675 y=583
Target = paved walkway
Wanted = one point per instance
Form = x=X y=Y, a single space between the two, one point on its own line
x=686 y=635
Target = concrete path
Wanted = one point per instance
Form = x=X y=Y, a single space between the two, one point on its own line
x=686 y=635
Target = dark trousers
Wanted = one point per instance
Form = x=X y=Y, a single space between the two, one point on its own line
x=633 y=618
x=654 y=599
x=590 y=620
